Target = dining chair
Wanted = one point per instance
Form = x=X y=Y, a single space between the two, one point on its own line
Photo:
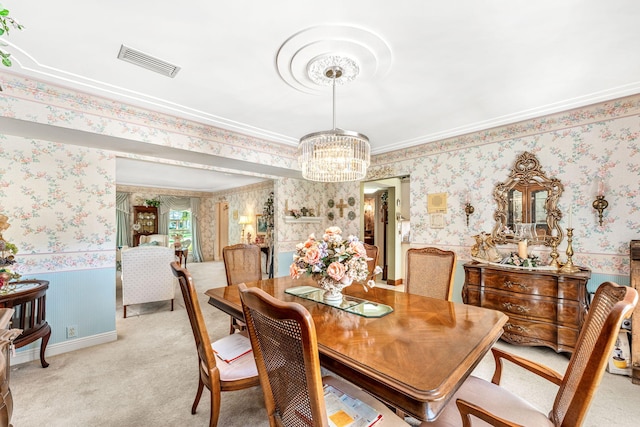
x=182 y=251
x=217 y=376
x=283 y=338
x=372 y=252
x=242 y=263
x=497 y=406
x=430 y=272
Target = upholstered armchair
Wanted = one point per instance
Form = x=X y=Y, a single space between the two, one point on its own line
x=147 y=275
x=162 y=239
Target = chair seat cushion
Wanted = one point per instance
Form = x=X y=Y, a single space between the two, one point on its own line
x=494 y=399
x=241 y=368
x=389 y=418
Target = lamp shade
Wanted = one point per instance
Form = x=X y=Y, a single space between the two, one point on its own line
x=244 y=220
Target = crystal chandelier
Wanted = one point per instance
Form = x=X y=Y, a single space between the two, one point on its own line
x=334 y=155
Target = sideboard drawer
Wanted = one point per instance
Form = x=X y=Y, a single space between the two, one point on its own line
x=519 y=331
x=567 y=338
x=472 y=296
x=568 y=290
x=533 y=307
x=569 y=313
x=522 y=283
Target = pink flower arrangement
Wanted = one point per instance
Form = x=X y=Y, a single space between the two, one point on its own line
x=344 y=261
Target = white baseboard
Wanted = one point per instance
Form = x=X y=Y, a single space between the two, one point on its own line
x=62 y=347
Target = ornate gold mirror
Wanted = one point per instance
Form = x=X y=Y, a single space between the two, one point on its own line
x=527 y=201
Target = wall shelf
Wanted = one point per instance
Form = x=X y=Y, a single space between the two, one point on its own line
x=303 y=219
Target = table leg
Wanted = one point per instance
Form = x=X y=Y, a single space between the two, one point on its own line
x=43 y=346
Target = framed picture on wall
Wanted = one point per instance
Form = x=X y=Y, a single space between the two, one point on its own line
x=261 y=225
x=436 y=220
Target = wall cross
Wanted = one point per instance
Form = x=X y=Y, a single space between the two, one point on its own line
x=341 y=206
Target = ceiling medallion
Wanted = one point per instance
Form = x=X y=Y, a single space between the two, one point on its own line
x=365 y=48
x=320 y=70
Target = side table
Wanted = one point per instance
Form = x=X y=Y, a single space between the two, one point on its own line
x=7 y=336
x=182 y=253
x=28 y=299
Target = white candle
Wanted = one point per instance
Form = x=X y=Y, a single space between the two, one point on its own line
x=600 y=187
x=570 y=215
x=522 y=249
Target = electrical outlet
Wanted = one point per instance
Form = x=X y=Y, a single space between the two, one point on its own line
x=72 y=331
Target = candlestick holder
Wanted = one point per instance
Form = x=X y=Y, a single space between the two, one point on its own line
x=568 y=267
x=554 y=253
x=468 y=209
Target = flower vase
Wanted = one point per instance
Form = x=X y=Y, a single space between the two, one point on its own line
x=333 y=289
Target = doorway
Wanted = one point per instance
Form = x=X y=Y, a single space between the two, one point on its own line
x=222 y=229
x=381 y=203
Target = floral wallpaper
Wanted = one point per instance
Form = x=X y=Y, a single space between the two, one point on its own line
x=576 y=147
x=60 y=200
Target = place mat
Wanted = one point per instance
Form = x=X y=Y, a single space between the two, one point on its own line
x=350 y=304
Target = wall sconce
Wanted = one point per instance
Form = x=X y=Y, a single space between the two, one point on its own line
x=468 y=208
x=244 y=220
x=600 y=204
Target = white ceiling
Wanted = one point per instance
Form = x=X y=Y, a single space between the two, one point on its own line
x=428 y=70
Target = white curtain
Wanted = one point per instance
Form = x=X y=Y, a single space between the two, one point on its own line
x=195 y=229
x=169 y=203
x=123 y=235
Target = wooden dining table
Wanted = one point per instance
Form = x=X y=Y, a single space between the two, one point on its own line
x=414 y=358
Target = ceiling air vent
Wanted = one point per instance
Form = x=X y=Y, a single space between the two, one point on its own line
x=146 y=61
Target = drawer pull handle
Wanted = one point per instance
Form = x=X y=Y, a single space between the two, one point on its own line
x=515 y=307
x=509 y=284
x=510 y=326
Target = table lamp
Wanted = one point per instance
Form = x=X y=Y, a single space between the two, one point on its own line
x=244 y=220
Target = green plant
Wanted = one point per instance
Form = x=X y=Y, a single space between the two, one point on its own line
x=6 y=23
x=267 y=212
x=152 y=202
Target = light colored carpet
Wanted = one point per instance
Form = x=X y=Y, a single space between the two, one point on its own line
x=148 y=377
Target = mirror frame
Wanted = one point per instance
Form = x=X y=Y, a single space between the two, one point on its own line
x=528 y=171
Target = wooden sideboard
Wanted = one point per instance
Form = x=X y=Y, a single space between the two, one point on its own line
x=545 y=308
x=28 y=299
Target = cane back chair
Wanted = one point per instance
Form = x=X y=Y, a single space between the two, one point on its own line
x=489 y=402
x=372 y=252
x=242 y=264
x=430 y=272
x=283 y=338
x=217 y=376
